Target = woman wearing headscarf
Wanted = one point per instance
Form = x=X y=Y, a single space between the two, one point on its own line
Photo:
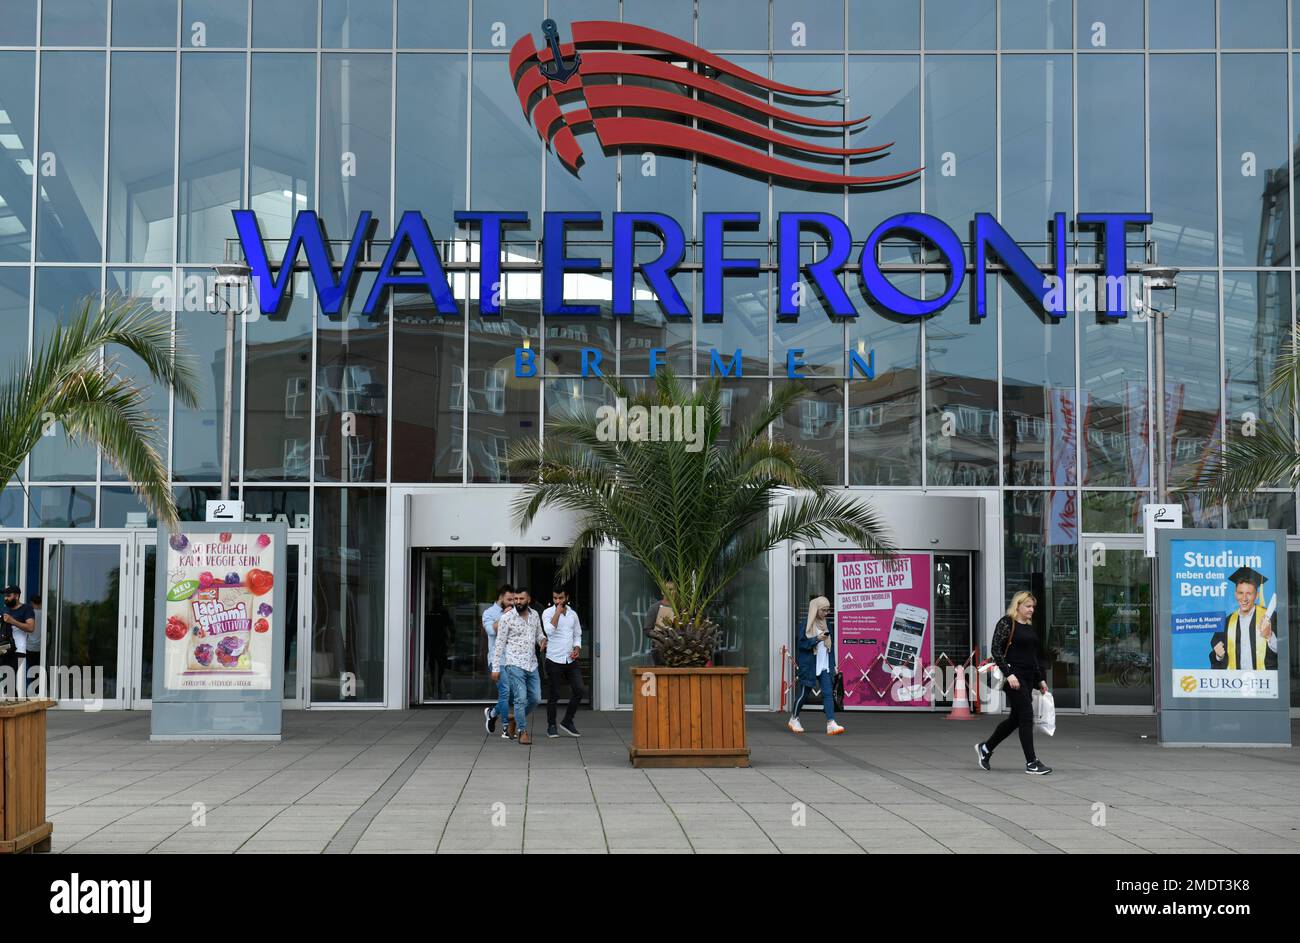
x=816 y=666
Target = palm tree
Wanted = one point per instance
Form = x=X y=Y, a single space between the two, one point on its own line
x=693 y=514
x=1272 y=454
x=75 y=379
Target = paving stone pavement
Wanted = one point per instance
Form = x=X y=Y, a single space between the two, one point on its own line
x=431 y=781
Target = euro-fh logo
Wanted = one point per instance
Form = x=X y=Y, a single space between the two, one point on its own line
x=675 y=96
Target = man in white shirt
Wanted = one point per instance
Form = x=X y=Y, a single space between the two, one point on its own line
x=1247 y=640
x=564 y=642
x=519 y=632
x=491 y=615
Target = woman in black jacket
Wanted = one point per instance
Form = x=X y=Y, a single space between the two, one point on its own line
x=1015 y=649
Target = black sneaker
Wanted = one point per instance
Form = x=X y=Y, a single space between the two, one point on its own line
x=983 y=752
x=551 y=731
x=1037 y=768
x=490 y=719
x=567 y=727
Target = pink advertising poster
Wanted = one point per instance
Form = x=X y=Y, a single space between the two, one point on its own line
x=882 y=628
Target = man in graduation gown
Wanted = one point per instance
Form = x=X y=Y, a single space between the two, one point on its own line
x=1247 y=641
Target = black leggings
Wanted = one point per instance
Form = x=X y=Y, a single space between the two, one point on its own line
x=1021 y=718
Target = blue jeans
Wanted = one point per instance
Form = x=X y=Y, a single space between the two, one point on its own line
x=502 y=709
x=826 y=682
x=526 y=692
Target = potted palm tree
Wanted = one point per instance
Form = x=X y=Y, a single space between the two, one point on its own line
x=694 y=510
x=76 y=378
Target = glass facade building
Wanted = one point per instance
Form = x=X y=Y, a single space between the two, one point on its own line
x=130 y=129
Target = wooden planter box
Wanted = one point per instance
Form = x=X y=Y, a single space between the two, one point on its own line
x=688 y=717
x=22 y=779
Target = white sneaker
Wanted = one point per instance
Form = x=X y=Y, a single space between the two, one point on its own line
x=833 y=728
x=794 y=725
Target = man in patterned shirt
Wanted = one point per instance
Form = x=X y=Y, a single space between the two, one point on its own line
x=519 y=632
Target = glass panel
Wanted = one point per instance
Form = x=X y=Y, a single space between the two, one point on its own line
x=214 y=23
x=506 y=157
x=191 y=502
x=960 y=24
x=1121 y=612
x=885 y=24
x=1037 y=151
x=153 y=288
x=349 y=577
x=60 y=295
x=885 y=412
x=1042 y=556
x=144 y=23
x=797 y=24
x=1192 y=379
x=146 y=640
x=1263 y=510
x=356 y=24
x=1040 y=428
x=742 y=615
x=63 y=507
x=1256 y=324
x=953 y=614
x=1198 y=512
x=638 y=604
x=212 y=164
x=74 y=23
x=960 y=139
x=12 y=503
x=429 y=373
x=1256 y=216
x=1107 y=24
x=816 y=424
x=649 y=328
x=743 y=326
x=282 y=152
x=1033 y=24
x=565 y=13
x=115 y=507
x=887 y=87
x=83 y=606
x=141 y=132
x=675 y=17
x=291 y=622
x=961 y=357
x=291 y=506
x=1113 y=402
x=13 y=317
x=284 y=24
x=17 y=143
x=197 y=430
x=422 y=25
x=499 y=23
x=1181 y=24
x=352 y=393
x=1110 y=109
x=1113 y=512
x=1183 y=192
x=502 y=407
x=733 y=24
x=278 y=416
x=17 y=23
x=431 y=132
x=70 y=211
x=1252 y=24
x=355 y=139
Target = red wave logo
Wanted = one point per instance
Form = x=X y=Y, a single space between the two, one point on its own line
x=621 y=97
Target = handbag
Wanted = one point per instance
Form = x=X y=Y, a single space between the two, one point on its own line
x=997 y=680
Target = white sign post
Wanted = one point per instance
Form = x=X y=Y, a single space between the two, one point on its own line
x=1156 y=516
x=225 y=512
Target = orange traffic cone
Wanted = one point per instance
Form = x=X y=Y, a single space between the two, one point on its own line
x=960 y=706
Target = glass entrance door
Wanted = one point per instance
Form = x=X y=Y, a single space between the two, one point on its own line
x=87 y=621
x=454 y=588
x=1117 y=625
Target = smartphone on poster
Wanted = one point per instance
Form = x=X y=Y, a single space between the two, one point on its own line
x=903 y=649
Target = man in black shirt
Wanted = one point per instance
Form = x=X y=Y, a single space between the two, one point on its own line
x=19 y=619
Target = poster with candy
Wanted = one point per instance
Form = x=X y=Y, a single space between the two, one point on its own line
x=219 y=611
x=882 y=629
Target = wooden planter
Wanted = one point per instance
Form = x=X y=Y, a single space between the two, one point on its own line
x=22 y=780
x=688 y=717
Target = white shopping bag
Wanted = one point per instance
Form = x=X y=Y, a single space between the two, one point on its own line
x=1045 y=712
